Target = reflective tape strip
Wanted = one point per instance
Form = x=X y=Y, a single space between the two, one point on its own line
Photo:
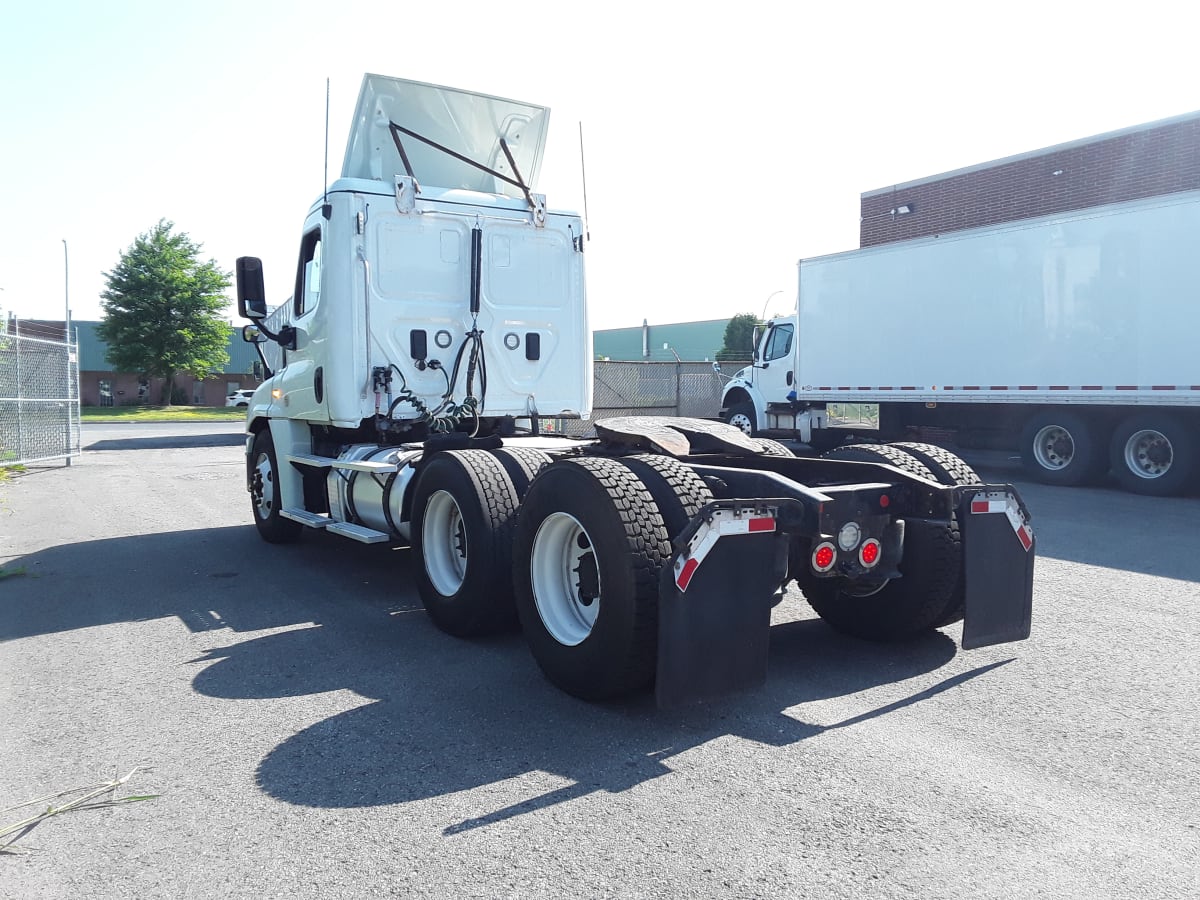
x=746 y=526
x=724 y=522
x=1005 y=503
x=684 y=573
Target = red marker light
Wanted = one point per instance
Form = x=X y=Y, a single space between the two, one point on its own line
x=823 y=557
x=884 y=501
x=868 y=554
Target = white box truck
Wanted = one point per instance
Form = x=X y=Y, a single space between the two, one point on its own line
x=439 y=311
x=1071 y=338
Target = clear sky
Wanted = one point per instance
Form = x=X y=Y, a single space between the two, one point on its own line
x=723 y=141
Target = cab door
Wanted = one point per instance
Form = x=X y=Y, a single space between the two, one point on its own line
x=775 y=370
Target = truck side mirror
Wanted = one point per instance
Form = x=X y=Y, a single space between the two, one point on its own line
x=252 y=335
x=756 y=336
x=251 y=296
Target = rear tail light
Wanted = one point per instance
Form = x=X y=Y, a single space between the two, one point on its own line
x=869 y=553
x=824 y=555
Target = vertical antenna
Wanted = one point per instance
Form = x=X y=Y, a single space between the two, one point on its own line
x=583 y=173
x=325 y=210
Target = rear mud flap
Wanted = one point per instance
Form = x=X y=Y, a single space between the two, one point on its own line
x=998 y=547
x=714 y=621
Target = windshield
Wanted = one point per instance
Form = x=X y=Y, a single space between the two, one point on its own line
x=447 y=137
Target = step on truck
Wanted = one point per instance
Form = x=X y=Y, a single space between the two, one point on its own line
x=1068 y=339
x=439 y=312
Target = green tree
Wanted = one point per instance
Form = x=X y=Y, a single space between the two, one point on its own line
x=739 y=338
x=163 y=309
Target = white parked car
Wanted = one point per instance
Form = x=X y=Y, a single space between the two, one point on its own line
x=239 y=398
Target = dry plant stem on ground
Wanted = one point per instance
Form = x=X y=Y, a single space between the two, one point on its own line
x=10 y=834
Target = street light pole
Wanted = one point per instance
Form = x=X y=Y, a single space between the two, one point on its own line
x=763 y=317
x=66 y=294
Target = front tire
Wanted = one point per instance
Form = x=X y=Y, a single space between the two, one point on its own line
x=264 y=493
x=590 y=544
x=463 y=510
x=742 y=416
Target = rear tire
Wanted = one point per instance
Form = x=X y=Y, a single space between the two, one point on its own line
x=931 y=568
x=522 y=465
x=773 y=448
x=886 y=454
x=1063 y=448
x=590 y=544
x=264 y=493
x=678 y=492
x=947 y=468
x=1154 y=454
x=464 y=505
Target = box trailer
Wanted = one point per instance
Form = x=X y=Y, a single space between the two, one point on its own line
x=1070 y=338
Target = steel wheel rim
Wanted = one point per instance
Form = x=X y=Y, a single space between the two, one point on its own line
x=1053 y=447
x=742 y=422
x=560 y=548
x=444 y=543
x=1148 y=454
x=262 y=490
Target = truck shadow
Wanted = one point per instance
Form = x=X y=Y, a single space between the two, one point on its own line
x=444 y=723
x=442 y=715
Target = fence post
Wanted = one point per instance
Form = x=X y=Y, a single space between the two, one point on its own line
x=20 y=394
x=70 y=392
x=678 y=387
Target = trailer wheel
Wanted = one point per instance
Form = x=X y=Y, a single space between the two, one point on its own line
x=901 y=608
x=464 y=505
x=1155 y=454
x=678 y=492
x=590 y=543
x=264 y=493
x=773 y=448
x=741 y=415
x=947 y=468
x=1063 y=448
x=522 y=465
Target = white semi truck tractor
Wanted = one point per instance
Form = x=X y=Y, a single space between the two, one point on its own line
x=439 y=310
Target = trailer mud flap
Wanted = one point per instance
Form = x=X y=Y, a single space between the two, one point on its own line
x=998 y=555
x=714 y=612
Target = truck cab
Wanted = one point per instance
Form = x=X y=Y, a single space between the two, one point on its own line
x=433 y=284
x=761 y=398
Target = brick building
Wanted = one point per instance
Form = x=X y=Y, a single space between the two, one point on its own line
x=1148 y=160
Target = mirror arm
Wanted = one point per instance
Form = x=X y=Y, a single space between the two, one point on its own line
x=267 y=371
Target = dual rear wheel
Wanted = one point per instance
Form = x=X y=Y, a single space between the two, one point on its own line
x=1153 y=452
x=578 y=566
x=931 y=591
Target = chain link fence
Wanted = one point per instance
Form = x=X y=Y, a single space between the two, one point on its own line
x=39 y=400
x=649 y=389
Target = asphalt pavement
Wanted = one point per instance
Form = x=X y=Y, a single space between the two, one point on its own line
x=310 y=734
